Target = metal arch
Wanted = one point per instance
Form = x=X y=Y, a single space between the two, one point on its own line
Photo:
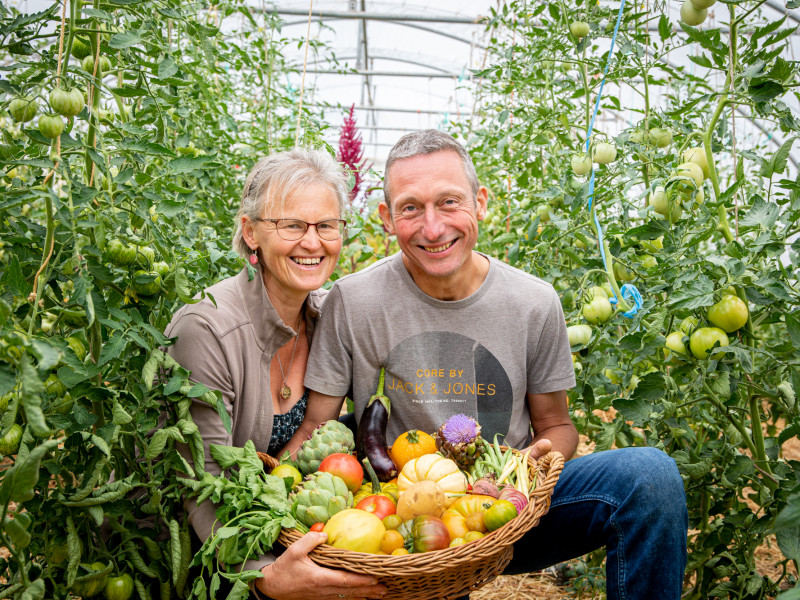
x=391 y=58
x=404 y=24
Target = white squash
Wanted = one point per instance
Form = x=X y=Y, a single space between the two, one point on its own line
x=433 y=467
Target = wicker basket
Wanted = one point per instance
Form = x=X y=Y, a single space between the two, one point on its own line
x=453 y=572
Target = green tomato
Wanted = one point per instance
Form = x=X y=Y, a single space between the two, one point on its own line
x=77 y=347
x=596 y=291
x=691 y=170
x=120 y=253
x=691 y=15
x=729 y=314
x=88 y=65
x=22 y=109
x=688 y=325
x=67 y=102
x=119 y=588
x=10 y=443
x=598 y=310
x=675 y=342
x=145 y=256
x=89 y=582
x=648 y=261
x=51 y=126
x=662 y=205
x=498 y=514
x=703 y=340
x=697 y=154
x=700 y=4
x=579 y=335
x=161 y=268
x=54 y=386
x=544 y=213
x=579 y=29
x=146 y=283
x=81 y=48
x=581 y=164
x=653 y=245
x=622 y=273
x=604 y=153
x=661 y=137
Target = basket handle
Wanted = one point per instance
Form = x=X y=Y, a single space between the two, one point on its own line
x=553 y=463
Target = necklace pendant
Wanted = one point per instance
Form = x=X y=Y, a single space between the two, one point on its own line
x=286 y=392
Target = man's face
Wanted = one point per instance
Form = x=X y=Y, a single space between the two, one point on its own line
x=434 y=216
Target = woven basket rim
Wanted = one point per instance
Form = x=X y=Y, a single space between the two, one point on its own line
x=548 y=469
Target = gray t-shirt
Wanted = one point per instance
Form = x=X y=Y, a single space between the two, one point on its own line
x=478 y=356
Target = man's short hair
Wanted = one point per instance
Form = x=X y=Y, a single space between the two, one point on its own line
x=428 y=141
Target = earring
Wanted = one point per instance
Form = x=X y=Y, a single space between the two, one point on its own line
x=254 y=257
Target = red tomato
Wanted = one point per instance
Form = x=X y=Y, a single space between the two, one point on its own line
x=379 y=505
x=345 y=466
x=317 y=526
x=429 y=533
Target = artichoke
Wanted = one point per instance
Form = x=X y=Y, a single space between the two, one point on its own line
x=329 y=438
x=318 y=497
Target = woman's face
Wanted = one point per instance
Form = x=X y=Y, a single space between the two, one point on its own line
x=300 y=265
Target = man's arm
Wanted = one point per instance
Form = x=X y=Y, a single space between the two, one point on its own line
x=552 y=427
x=320 y=408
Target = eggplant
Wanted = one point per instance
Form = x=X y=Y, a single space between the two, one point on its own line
x=371 y=433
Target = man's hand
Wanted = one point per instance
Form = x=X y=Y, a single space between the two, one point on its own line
x=540 y=448
x=294 y=576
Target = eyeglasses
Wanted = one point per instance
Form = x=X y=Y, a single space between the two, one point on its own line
x=294 y=229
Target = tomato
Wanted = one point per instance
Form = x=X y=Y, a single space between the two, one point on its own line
x=429 y=533
x=692 y=170
x=67 y=102
x=147 y=283
x=22 y=109
x=162 y=269
x=378 y=505
x=691 y=15
x=597 y=311
x=622 y=273
x=697 y=154
x=287 y=471
x=662 y=205
x=317 y=526
x=579 y=335
x=120 y=253
x=498 y=514
x=145 y=256
x=660 y=137
x=392 y=521
x=704 y=339
x=648 y=261
x=455 y=517
x=391 y=541
x=675 y=342
x=89 y=581
x=81 y=48
x=604 y=153
x=345 y=466
x=10 y=443
x=51 y=126
x=596 y=291
x=729 y=314
x=653 y=245
x=119 y=587
x=54 y=387
x=88 y=65
x=688 y=325
x=699 y=4
x=544 y=213
x=581 y=164
x=579 y=29
x=475 y=522
x=356 y=530
x=411 y=444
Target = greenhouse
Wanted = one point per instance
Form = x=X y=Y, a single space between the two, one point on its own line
x=549 y=254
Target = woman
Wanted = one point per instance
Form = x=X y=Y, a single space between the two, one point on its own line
x=249 y=339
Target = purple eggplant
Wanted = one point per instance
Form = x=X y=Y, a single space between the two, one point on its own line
x=371 y=433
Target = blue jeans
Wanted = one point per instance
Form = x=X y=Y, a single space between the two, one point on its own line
x=630 y=501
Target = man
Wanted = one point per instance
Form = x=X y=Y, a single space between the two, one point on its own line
x=459 y=332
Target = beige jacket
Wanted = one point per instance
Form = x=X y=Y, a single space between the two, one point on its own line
x=229 y=347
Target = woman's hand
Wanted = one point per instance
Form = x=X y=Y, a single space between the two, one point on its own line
x=294 y=576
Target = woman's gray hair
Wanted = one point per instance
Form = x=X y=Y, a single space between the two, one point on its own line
x=428 y=141
x=274 y=179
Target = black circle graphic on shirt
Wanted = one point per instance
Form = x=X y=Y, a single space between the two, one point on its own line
x=450 y=373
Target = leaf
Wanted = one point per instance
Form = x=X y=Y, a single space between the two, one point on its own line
x=766 y=91
x=112 y=349
x=126 y=39
x=635 y=410
x=789 y=517
x=652 y=387
x=19 y=482
x=187 y=164
x=780 y=158
x=167 y=68
x=789 y=542
x=696 y=293
x=762 y=213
